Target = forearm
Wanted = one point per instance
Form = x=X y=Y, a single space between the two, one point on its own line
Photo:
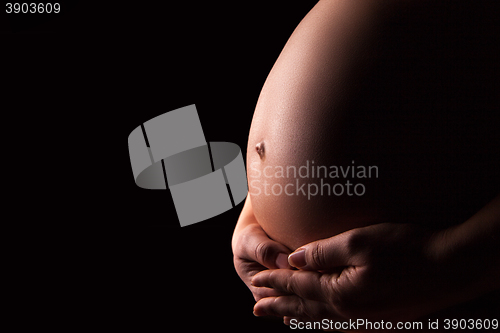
x=469 y=255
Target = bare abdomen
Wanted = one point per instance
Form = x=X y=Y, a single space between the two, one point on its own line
x=334 y=100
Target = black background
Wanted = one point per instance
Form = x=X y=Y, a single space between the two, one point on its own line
x=93 y=249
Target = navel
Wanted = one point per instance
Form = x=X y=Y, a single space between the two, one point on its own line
x=260 y=148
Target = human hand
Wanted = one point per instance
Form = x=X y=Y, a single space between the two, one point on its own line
x=384 y=271
x=254 y=251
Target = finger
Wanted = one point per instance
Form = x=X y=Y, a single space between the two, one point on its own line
x=306 y=284
x=252 y=243
x=293 y=306
x=255 y=245
x=246 y=270
x=325 y=254
x=260 y=293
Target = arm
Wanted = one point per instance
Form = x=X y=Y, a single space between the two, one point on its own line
x=388 y=271
x=471 y=247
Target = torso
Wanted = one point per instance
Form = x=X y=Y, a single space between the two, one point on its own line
x=434 y=165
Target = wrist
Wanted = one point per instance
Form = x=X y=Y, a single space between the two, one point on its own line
x=465 y=261
x=439 y=246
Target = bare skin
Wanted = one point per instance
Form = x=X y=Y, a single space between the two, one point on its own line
x=390 y=272
x=255 y=252
x=298 y=116
x=366 y=264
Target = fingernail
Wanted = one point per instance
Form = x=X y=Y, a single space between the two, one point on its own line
x=298 y=258
x=282 y=261
x=258 y=312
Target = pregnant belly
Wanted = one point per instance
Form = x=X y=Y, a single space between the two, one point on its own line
x=299 y=199
x=341 y=139
x=299 y=161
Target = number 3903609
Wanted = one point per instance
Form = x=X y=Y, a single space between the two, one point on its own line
x=32 y=8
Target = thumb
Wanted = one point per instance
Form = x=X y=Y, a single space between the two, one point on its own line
x=323 y=254
x=256 y=246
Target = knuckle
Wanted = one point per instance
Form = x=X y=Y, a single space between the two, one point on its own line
x=237 y=249
x=276 y=307
x=263 y=252
x=237 y=265
x=241 y=244
x=239 y=241
x=318 y=255
x=357 y=243
x=289 y=285
x=355 y=240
